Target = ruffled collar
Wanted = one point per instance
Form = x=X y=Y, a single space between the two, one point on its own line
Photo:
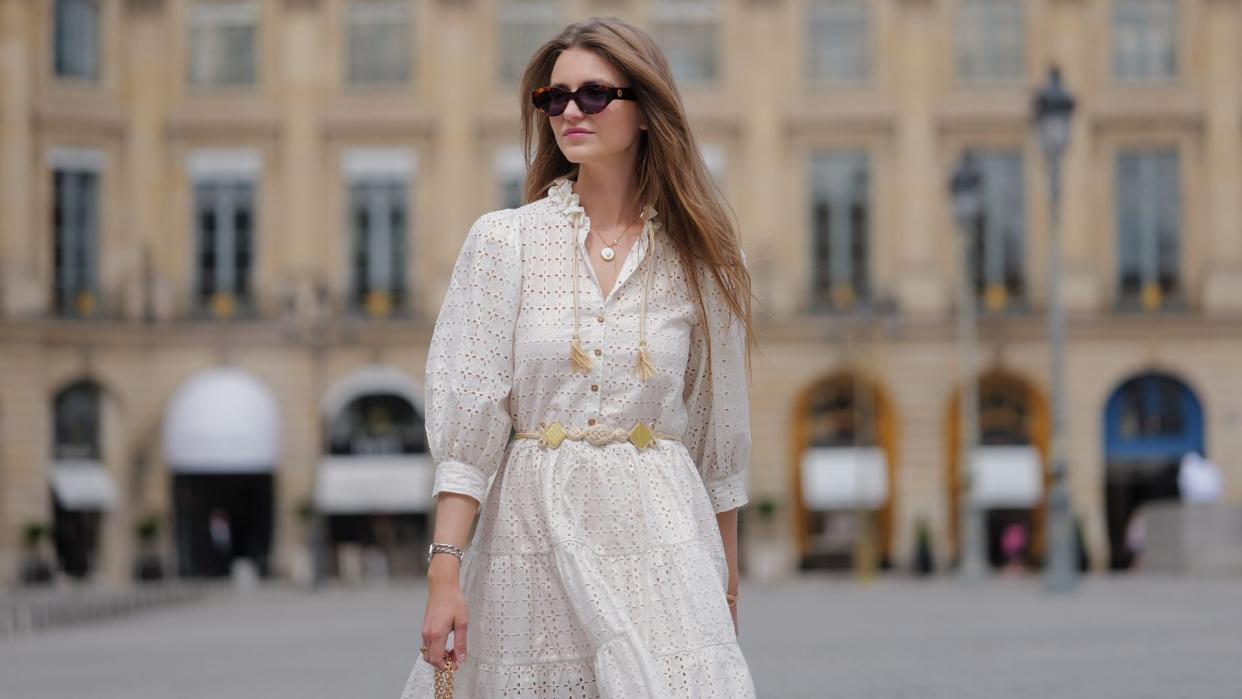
x=565 y=199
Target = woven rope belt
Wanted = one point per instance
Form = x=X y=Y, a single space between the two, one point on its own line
x=640 y=435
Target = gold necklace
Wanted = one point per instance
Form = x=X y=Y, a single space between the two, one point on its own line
x=607 y=253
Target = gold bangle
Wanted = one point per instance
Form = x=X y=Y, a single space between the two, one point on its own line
x=733 y=598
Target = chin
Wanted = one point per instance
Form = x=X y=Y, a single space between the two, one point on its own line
x=577 y=155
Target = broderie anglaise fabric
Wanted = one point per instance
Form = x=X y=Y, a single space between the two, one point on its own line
x=594 y=571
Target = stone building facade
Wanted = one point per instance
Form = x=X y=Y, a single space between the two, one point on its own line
x=226 y=227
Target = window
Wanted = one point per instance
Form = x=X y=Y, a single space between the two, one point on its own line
x=840 y=213
x=998 y=240
x=377 y=212
x=688 y=33
x=1004 y=412
x=991 y=41
x=223 y=36
x=1145 y=40
x=76 y=40
x=839 y=41
x=525 y=25
x=510 y=167
x=1151 y=407
x=1148 y=228
x=75 y=240
x=378 y=41
x=224 y=217
x=716 y=160
x=842 y=413
x=511 y=192
x=76 y=435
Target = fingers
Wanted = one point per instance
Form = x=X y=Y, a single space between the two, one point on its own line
x=434 y=640
x=459 y=639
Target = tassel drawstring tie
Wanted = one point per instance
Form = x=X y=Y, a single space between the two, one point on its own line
x=579 y=359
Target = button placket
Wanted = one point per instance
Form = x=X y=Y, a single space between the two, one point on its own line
x=600 y=318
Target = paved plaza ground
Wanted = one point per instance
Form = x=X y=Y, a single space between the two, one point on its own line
x=811 y=636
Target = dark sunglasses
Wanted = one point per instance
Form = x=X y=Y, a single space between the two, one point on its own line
x=591 y=99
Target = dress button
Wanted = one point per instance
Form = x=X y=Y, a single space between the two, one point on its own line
x=591 y=421
x=599 y=352
x=594 y=387
x=599 y=319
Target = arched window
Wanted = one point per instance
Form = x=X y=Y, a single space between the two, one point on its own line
x=842 y=414
x=77 y=422
x=1004 y=413
x=377 y=424
x=1153 y=415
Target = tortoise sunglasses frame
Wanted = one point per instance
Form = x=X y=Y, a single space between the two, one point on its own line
x=588 y=97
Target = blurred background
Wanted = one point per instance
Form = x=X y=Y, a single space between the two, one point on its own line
x=999 y=306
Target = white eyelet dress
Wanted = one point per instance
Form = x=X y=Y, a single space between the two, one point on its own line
x=594 y=571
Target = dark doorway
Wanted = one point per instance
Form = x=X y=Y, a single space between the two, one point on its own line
x=221 y=517
x=401 y=537
x=1127 y=486
x=75 y=535
x=1150 y=422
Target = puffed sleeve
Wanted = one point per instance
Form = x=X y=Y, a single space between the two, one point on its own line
x=717 y=401
x=470 y=361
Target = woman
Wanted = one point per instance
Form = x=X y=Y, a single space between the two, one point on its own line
x=606 y=322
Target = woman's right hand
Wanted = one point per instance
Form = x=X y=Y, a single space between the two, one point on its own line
x=446 y=611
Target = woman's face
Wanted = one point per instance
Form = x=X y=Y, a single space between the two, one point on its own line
x=608 y=133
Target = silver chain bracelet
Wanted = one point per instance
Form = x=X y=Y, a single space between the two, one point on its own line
x=443 y=548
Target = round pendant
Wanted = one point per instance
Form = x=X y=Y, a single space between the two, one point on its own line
x=607 y=254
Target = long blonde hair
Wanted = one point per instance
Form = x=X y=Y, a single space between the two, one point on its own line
x=670 y=169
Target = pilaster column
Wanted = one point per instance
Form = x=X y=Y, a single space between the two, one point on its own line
x=921 y=287
x=21 y=292
x=1222 y=248
x=299 y=171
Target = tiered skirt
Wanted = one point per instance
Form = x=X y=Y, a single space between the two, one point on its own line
x=596 y=572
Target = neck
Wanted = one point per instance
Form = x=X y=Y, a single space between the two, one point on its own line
x=609 y=195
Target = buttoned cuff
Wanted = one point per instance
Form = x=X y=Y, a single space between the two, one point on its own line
x=459 y=477
x=729 y=493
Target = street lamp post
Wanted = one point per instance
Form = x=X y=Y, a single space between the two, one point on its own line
x=1053 y=108
x=966 y=188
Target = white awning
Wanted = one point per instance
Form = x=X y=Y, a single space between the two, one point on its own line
x=82 y=485
x=842 y=478
x=1006 y=477
x=369 y=484
x=222 y=421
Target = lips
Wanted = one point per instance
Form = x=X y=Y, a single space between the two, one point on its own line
x=570 y=132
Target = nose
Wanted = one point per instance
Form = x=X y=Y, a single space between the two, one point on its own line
x=572 y=111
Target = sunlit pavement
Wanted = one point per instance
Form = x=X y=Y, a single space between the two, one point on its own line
x=812 y=636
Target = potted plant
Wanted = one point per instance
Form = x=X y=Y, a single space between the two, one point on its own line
x=148 y=566
x=924 y=560
x=36 y=568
